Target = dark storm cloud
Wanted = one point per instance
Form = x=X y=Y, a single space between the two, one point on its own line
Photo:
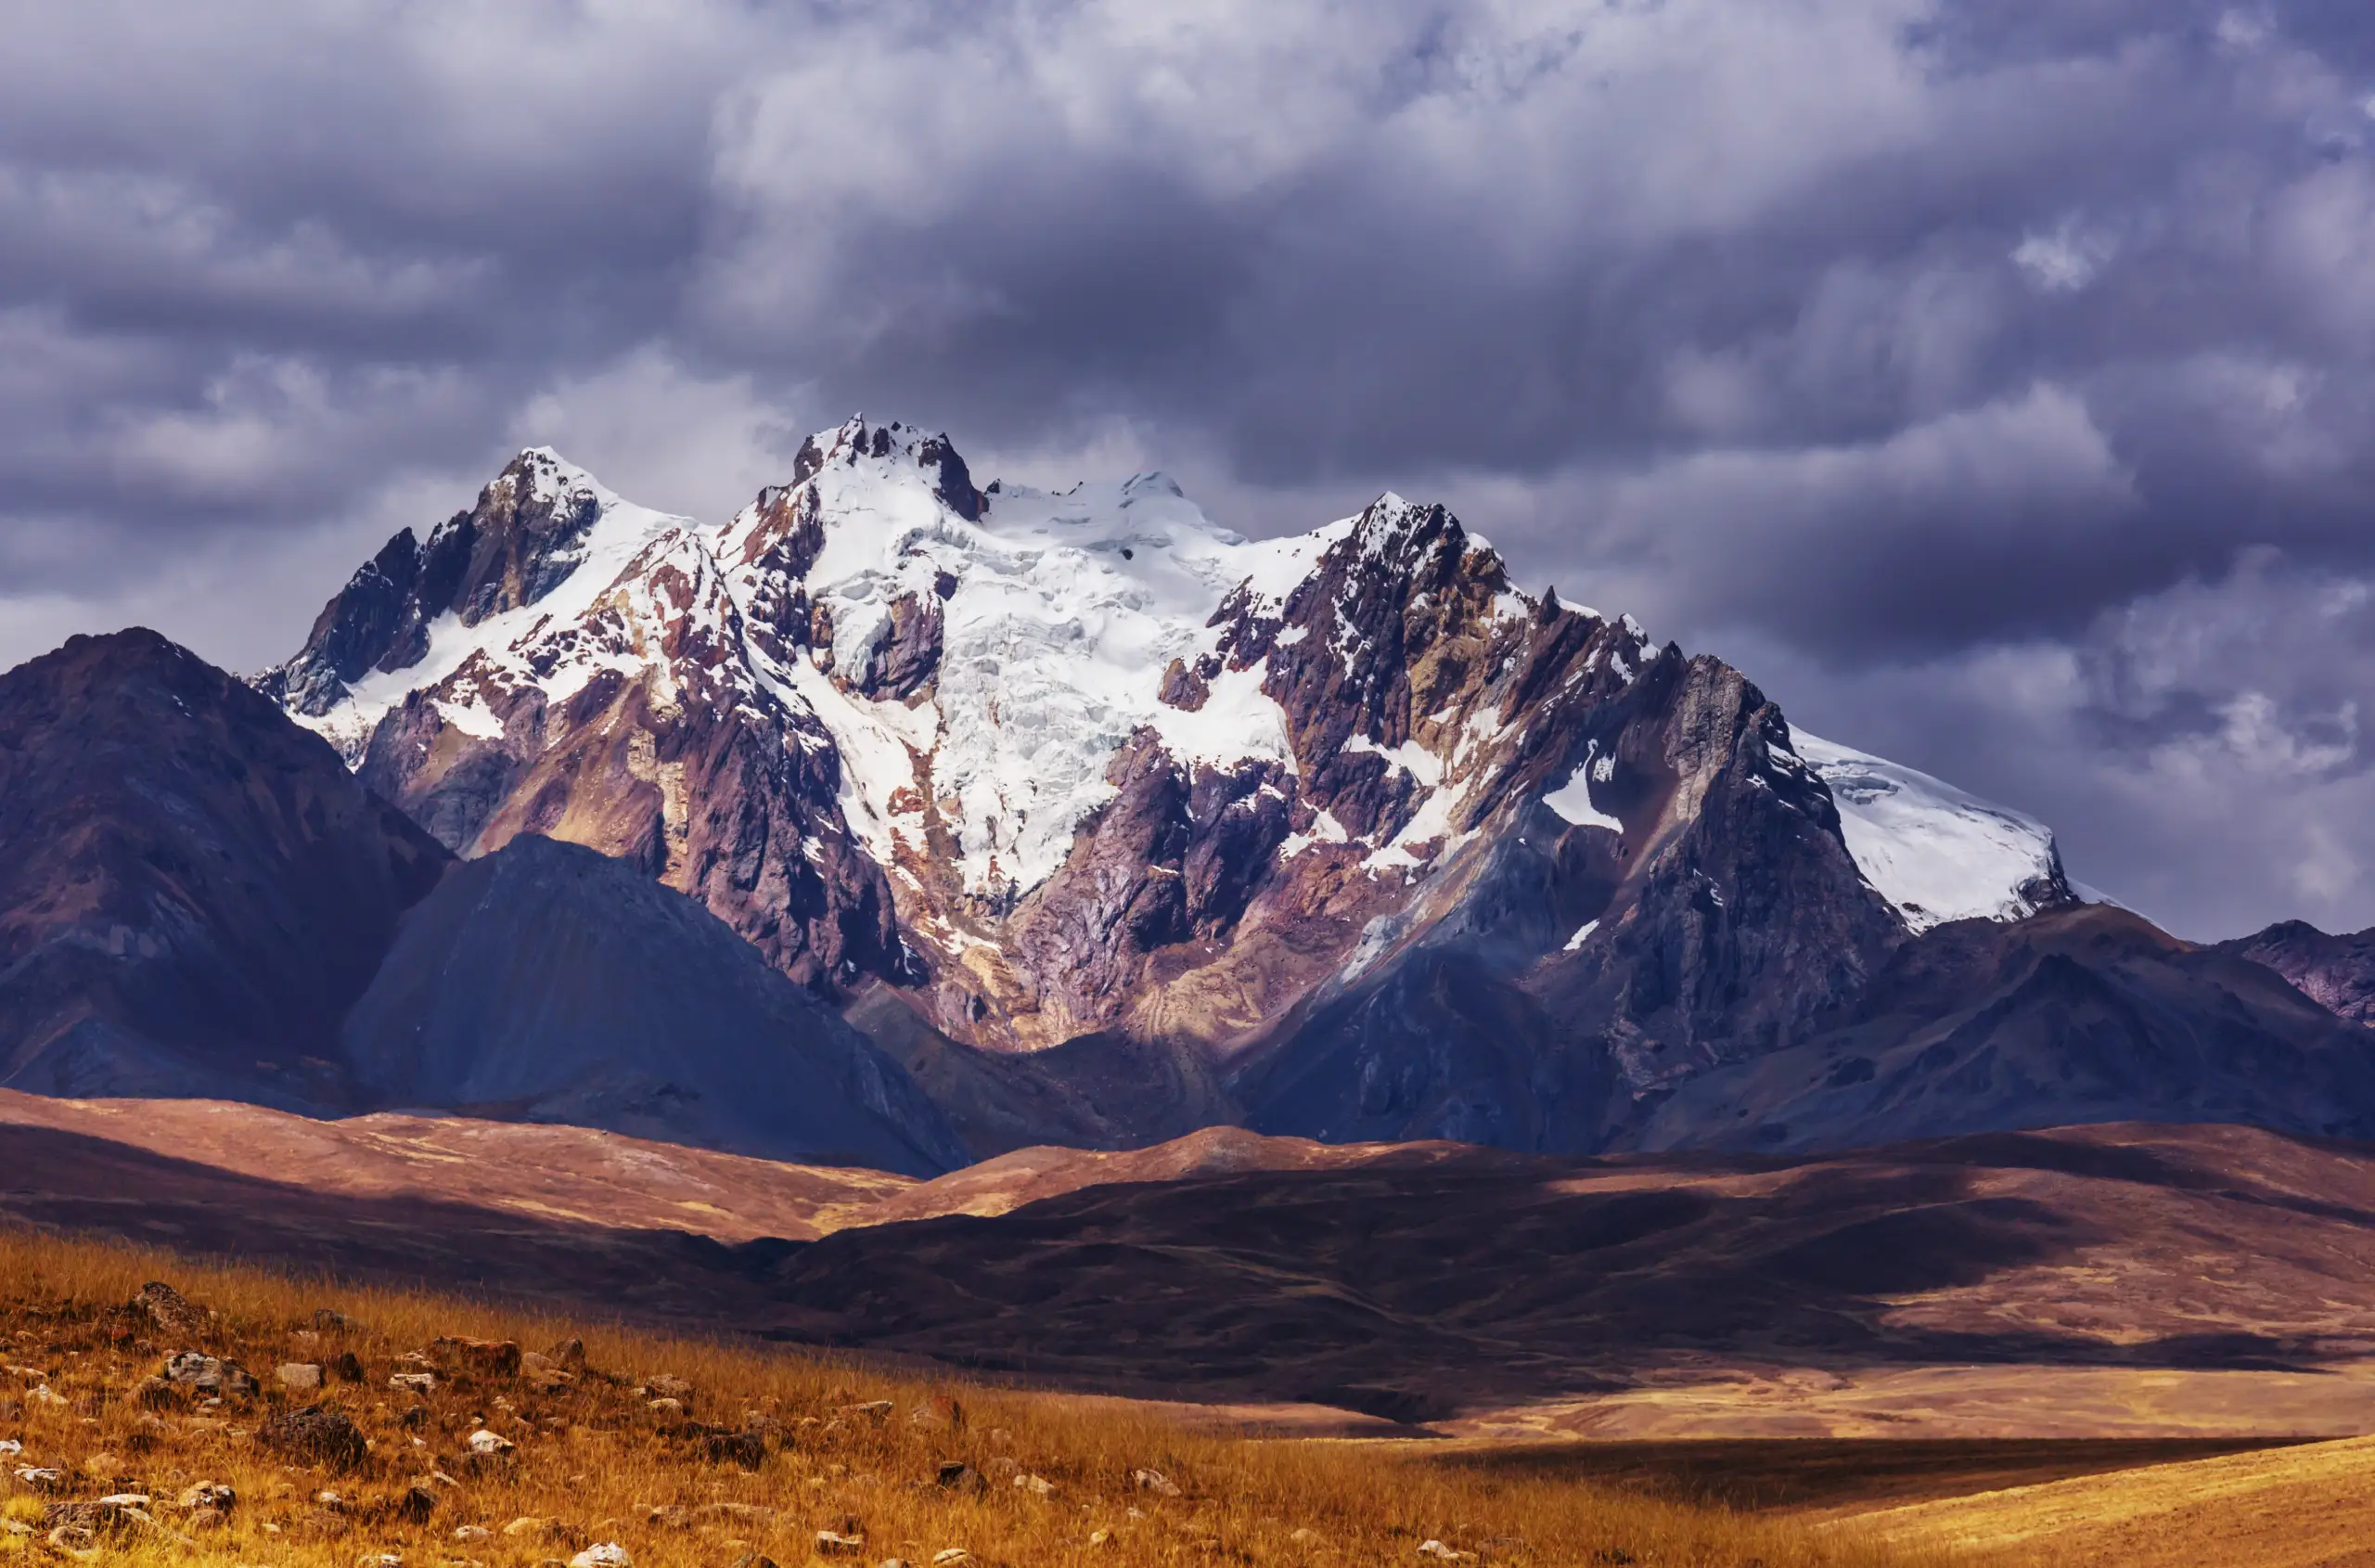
x=1994 y=380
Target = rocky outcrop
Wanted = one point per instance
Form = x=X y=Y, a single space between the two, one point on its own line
x=192 y=888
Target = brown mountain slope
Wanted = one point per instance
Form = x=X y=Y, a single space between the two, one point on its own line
x=1428 y=1284
x=571 y=1174
x=2100 y=1280
x=192 y=888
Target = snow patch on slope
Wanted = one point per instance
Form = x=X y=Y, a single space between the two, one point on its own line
x=1932 y=850
x=1573 y=800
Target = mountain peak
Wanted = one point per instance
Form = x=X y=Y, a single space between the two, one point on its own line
x=885 y=450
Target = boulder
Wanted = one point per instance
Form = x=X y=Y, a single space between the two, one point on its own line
x=302 y=1376
x=173 y=1314
x=485 y=1358
x=1154 y=1480
x=321 y=1434
x=207 y=1493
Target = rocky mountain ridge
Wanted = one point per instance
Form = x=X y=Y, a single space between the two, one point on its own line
x=1088 y=770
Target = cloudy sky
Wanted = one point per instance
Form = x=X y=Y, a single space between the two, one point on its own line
x=1993 y=380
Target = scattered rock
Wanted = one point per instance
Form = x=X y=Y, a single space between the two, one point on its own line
x=831 y=1544
x=1037 y=1486
x=1100 y=1537
x=940 y=1411
x=348 y=1366
x=956 y=1475
x=317 y=1435
x=472 y=1532
x=570 y=1353
x=302 y=1376
x=209 y=1377
x=78 y=1542
x=156 y=1394
x=950 y=1557
x=174 y=1315
x=544 y=1374
x=738 y=1513
x=668 y=1386
x=42 y=1478
x=421 y=1383
x=41 y=1394
x=754 y=1559
x=380 y=1560
x=607 y=1554
x=1154 y=1480
x=119 y=1514
x=666 y=1406
x=415 y=1505
x=491 y=1445
x=1305 y=1537
x=207 y=1493
x=1443 y=1553
x=485 y=1358
x=875 y=1410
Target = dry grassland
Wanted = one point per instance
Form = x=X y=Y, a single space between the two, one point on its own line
x=2306 y=1506
x=685 y=1452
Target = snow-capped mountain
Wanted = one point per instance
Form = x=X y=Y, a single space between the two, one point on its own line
x=1056 y=768
x=1933 y=851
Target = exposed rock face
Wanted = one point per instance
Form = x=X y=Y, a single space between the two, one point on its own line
x=193 y=890
x=524 y=539
x=623 y=712
x=2337 y=973
x=1341 y=835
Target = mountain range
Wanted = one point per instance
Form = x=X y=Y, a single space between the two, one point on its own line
x=905 y=822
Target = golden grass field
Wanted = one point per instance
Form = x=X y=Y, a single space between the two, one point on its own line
x=760 y=1451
